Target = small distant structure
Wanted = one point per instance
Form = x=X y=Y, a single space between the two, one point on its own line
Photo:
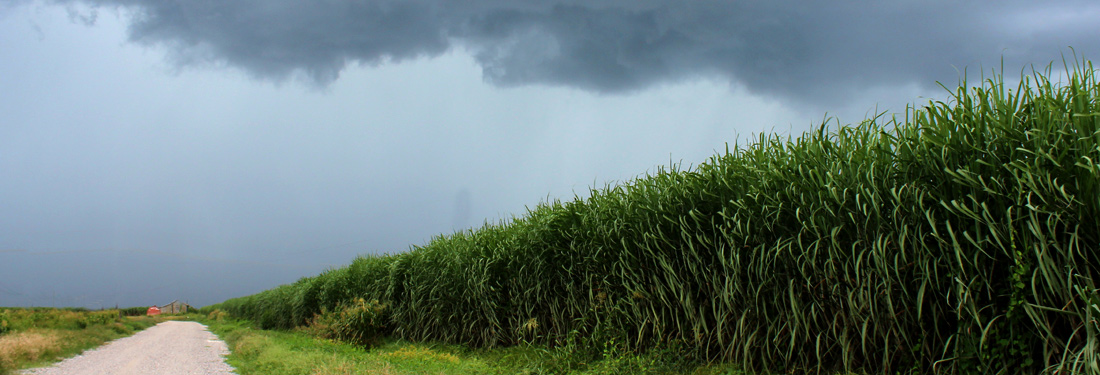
x=175 y=307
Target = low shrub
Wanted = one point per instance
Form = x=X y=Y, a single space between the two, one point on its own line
x=359 y=322
x=4 y=325
x=217 y=315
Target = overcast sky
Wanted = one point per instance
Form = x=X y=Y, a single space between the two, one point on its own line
x=153 y=150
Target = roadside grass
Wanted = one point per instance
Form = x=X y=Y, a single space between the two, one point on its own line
x=301 y=351
x=35 y=337
x=258 y=351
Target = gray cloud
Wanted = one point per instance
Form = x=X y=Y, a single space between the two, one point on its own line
x=273 y=39
x=816 y=52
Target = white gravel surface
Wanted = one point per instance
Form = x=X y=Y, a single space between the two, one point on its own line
x=168 y=348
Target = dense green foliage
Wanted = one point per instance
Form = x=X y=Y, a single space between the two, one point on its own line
x=963 y=238
x=135 y=311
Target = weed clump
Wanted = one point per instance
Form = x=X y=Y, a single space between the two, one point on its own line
x=358 y=321
x=217 y=315
x=5 y=326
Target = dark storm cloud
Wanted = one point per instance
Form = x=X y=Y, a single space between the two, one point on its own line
x=808 y=50
x=274 y=39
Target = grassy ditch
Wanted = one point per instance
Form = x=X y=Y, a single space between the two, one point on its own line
x=963 y=237
x=34 y=337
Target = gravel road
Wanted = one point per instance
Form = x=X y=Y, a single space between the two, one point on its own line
x=168 y=348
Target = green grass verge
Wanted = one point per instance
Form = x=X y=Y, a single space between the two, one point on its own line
x=37 y=337
x=275 y=352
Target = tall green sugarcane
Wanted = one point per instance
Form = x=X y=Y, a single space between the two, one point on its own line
x=962 y=237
